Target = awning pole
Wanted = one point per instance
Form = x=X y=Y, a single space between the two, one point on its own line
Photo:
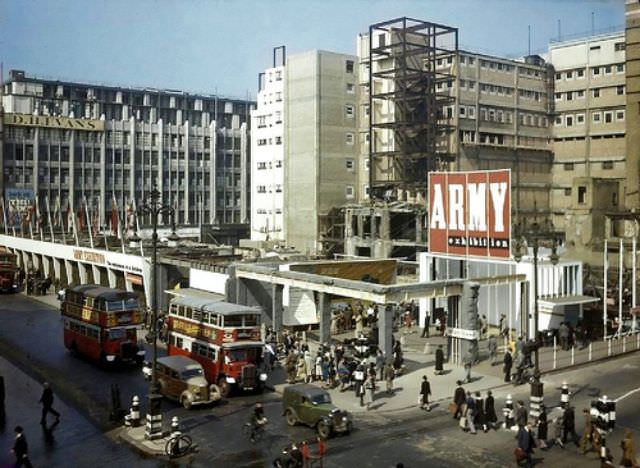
x=633 y=274
x=604 y=305
x=620 y=287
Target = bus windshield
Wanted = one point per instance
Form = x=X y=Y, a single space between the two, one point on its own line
x=117 y=333
x=189 y=373
x=127 y=304
x=236 y=355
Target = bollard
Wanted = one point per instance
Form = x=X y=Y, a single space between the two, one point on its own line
x=507 y=412
x=554 y=351
x=624 y=344
x=134 y=415
x=175 y=426
x=611 y=407
x=564 y=394
x=573 y=354
x=608 y=347
x=590 y=346
x=536 y=399
x=116 y=405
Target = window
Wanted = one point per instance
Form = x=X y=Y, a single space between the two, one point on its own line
x=595 y=47
x=278 y=140
x=582 y=194
x=278 y=116
x=471 y=112
x=580 y=73
x=580 y=118
x=349 y=66
x=558 y=76
x=349 y=138
x=608 y=117
x=349 y=164
x=620 y=68
x=569 y=95
x=595 y=71
x=580 y=94
x=618 y=46
x=569 y=120
x=558 y=121
x=595 y=93
x=278 y=75
x=351 y=88
x=558 y=96
x=349 y=191
x=607 y=70
x=567 y=192
x=620 y=90
x=607 y=165
x=620 y=115
x=463 y=111
x=569 y=75
x=596 y=117
x=350 y=110
x=568 y=166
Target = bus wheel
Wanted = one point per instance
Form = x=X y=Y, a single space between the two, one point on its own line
x=225 y=387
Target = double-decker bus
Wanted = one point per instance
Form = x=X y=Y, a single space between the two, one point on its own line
x=9 y=271
x=101 y=323
x=223 y=337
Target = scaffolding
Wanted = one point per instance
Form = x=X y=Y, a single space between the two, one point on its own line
x=411 y=123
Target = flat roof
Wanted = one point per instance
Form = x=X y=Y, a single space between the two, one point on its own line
x=568 y=300
x=102 y=292
x=209 y=302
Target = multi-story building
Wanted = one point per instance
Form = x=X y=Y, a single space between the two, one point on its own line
x=589 y=138
x=632 y=39
x=304 y=168
x=71 y=141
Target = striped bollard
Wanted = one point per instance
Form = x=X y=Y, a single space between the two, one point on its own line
x=507 y=412
x=611 y=406
x=153 y=427
x=564 y=394
x=536 y=399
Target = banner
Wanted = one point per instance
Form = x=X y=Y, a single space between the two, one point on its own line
x=470 y=213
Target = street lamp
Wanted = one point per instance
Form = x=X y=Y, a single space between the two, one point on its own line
x=154 y=208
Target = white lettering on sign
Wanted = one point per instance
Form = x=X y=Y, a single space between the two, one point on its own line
x=477 y=216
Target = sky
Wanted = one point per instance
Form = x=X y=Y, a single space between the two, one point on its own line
x=220 y=46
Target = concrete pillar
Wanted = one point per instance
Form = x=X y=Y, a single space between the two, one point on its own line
x=113 y=279
x=360 y=223
x=26 y=261
x=385 y=330
x=324 y=311
x=276 y=306
x=96 y=274
x=82 y=273
x=56 y=269
x=161 y=286
x=68 y=268
x=35 y=259
x=46 y=266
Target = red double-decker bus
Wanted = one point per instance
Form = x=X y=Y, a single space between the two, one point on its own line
x=223 y=337
x=9 y=271
x=101 y=323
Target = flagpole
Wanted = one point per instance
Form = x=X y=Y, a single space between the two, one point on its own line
x=88 y=218
x=30 y=213
x=46 y=202
x=118 y=224
x=4 y=217
x=64 y=237
x=74 y=226
x=39 y=219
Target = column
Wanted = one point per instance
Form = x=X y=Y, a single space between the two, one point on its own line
x=113 y=280
x=96 y=274
x=68 y=267
x=82 y=271
x=276 y=307
x=385 y=330
x=324 y=312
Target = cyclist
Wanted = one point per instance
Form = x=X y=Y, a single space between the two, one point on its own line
x=258 y=421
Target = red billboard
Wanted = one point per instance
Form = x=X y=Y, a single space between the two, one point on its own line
x=470 y=213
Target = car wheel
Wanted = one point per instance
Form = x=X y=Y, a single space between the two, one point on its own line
x=225 y=387
x=324 y=430
x=290 y=417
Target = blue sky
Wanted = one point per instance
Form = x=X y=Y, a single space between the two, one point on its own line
x=218 y=46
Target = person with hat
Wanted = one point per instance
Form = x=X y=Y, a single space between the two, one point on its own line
x=47 y=404
x=20 y=449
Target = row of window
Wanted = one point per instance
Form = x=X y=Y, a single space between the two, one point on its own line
x=263 y=120
x=270 y=141
x=579 y=73
x=217 y=320
x=269 y=165
x=595 y=93
x=569 y=120
x=606 y=165
x=264 y=211
x=263 y=188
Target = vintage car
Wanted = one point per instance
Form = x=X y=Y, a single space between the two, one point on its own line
x=182 y=379
x=311 y=405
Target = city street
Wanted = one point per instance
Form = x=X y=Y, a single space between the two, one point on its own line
x=380 y=438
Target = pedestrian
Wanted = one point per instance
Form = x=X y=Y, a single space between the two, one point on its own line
x=542 y=427
x=587 y=434
x=483 y=325
x=519 y=348
x=479 y=418
x=301 y=370
x=439 y=360
x=425 y=391
x=371 y=389
x=490 y=416
x=47 y=404
x=359 y=377
x=309 y=365
x=467 y=362
x=21 y=449
x=443 y=324
x=459 y=397
x=408 y=320
x=569 y=427
x=521 y=414
x=380 y=364
x=507 y=363
x=389 y=375
x=359 y=325
x=563 y=333
x=628 y=450
x=526 y=443
x=493 y=349
x=290 y=367
x=470 y=413
x=425 y=328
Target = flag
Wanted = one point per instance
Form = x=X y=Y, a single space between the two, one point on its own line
x=95 y=220
x=38 y=216
x=81 y=219
x=69 y=217
x=56 y=212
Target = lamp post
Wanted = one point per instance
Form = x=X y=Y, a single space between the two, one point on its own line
x=532 y=236
x=154 y=208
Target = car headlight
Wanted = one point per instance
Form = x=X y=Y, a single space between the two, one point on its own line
x=231 y=380
x=110 y=358
x=263 y=377
x=344 y=419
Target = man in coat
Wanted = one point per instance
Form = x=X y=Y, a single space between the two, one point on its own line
x=47 y=404
x=587 y=435
x=389 y=375
x=20 y=449
x=425 y=391
x=439 y=360
x=521 y=414
x=425 y=329
x=569 y=427
x=526 y=443
x=459 y=397
x=493 y=349
x=467 y=362
x=508 y=362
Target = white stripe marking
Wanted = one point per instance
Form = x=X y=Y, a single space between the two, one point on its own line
x=627 y=394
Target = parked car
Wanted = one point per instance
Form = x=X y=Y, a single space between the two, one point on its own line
x=311 y=405
x=182 y=379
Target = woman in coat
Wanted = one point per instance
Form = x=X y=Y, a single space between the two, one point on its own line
x=490 y=416
x=628 y=450
x=542 y=427
x=479 y=417
x=425 y=391
x=439 y=360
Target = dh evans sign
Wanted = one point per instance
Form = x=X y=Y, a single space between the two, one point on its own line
x=470 y=213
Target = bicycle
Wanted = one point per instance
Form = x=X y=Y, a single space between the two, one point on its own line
x=258 y=433
x=178 y=445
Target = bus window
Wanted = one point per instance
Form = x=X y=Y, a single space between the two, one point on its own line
x=250 y=320
x=233 y=321
x=205 y=317
x=117 y=333
x=188 y=313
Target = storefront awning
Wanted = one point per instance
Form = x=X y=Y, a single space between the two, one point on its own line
x=551 y=302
